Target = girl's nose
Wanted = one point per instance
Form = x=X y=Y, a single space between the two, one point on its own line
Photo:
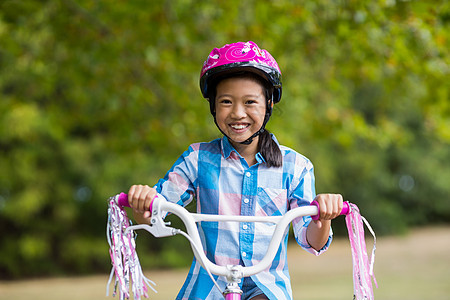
x=238 y=111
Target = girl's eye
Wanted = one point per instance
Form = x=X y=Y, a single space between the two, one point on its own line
x=225 y=101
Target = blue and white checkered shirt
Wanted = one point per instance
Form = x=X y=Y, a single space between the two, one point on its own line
x=222 y=182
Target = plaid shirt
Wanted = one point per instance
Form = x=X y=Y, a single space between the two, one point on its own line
x=222 y=182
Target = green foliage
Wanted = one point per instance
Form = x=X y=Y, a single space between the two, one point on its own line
x=96 y=96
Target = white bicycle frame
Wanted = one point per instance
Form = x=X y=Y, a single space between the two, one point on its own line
x=233 y=273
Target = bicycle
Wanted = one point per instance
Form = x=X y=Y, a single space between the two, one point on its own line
x=126 y=266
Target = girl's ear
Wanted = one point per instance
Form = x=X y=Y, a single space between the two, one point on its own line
x=270 y=102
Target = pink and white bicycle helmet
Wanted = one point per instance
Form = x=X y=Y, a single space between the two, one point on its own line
x=241 y=57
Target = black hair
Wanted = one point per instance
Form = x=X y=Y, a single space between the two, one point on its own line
x=270 y=150
x=266 y=144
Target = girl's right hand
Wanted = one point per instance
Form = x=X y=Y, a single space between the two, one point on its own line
x=139 y=198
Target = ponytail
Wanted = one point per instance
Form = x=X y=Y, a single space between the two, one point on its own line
x=270 y=150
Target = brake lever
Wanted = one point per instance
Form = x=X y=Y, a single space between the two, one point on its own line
x=157 y=227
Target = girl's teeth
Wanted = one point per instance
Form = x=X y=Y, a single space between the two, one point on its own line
x=238 y=126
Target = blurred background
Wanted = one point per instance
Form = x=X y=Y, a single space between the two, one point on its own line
x=98 y=95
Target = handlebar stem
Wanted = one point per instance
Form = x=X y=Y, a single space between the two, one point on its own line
x=234 y=276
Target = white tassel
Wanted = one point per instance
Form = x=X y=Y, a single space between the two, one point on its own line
x=125 y=263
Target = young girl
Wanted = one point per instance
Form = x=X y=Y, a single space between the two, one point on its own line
x=244 y=173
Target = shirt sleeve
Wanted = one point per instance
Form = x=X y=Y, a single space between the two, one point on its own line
x=303 y=193
x=178 y=185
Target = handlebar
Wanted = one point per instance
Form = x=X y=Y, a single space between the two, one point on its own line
x=123 y=255
x=159 y=228
x=123 y=201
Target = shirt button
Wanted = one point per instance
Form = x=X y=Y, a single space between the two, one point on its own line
x=244 y=254
x=245 y=226
x=246 y=200
x=248 y=174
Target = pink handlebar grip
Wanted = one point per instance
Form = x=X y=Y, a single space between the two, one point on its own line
x=123 y=200
x=345 y=209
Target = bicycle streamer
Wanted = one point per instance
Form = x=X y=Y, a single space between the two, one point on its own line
x=127 y=270
x=362 y=268
x=125 y=262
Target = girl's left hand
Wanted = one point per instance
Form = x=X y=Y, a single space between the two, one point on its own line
x=330 y=206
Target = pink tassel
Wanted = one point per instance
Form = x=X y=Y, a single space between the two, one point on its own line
x=362 y=268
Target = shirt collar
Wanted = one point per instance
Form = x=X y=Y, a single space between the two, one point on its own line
x=227 y=149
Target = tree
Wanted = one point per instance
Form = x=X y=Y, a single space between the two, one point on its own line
x=96 y=96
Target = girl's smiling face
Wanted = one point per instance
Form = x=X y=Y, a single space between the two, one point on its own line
x=240 y=108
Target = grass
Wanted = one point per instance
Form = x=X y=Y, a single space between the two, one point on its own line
x=413 y=267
